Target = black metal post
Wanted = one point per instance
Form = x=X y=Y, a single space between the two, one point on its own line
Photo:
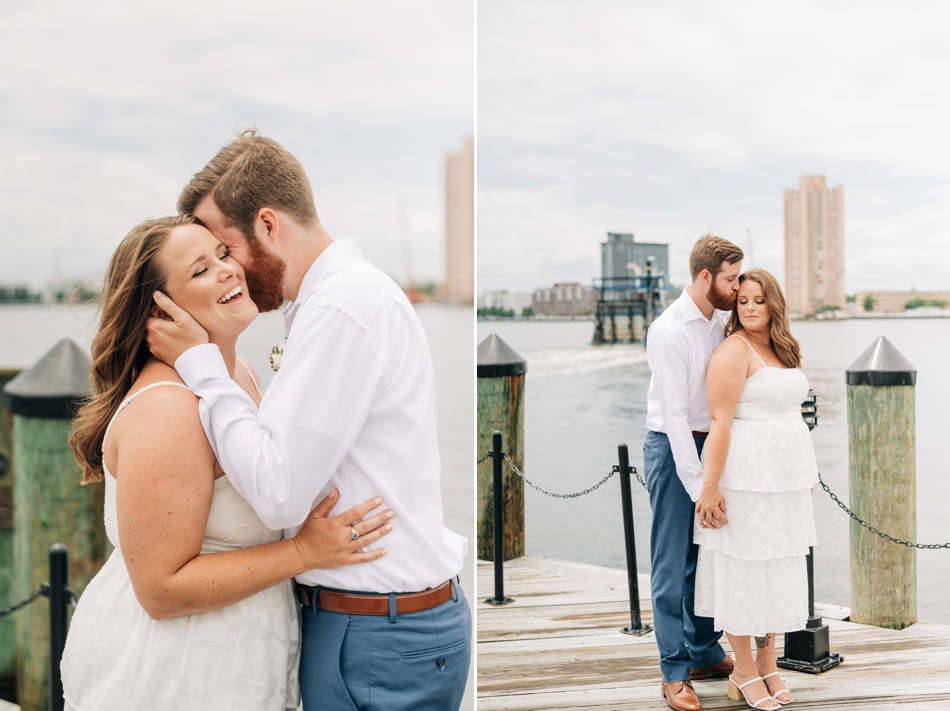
x=498 y=522
x=58 y=600
x=814 y=621
x=633 y=583
x=809 y=650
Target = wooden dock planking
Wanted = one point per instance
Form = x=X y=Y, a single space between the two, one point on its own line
x=558 y=647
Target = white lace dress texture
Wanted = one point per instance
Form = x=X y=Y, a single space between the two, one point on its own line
x=751 y=576
x=243 y=656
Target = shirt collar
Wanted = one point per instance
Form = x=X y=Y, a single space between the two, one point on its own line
x=691 y=311
x=340 y=250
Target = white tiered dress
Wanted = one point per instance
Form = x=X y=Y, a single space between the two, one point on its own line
x=750 y=575
x=244 y=656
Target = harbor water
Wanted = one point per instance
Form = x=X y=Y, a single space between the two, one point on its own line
x=583 y=400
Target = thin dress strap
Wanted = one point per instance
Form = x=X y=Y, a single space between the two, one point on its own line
x=129 y=399
x=752 y=349
x=251 y=374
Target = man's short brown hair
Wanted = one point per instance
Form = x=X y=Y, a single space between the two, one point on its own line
x=249 y=173
x=709 y=253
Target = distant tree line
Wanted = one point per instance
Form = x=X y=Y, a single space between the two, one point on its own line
x=919 y=303
x=19 y=294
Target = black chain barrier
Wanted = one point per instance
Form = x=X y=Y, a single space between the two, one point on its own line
x=633 y=470
x=42 y=591
x=872 y=529
x=614 y=470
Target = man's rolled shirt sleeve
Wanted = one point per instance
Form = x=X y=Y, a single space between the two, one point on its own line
x=669 y=363
x=281 y=457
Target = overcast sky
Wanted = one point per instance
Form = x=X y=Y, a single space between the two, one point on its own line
x=107 y=109
x=668 y=119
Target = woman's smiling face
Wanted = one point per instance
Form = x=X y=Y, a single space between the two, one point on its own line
x=205 y=281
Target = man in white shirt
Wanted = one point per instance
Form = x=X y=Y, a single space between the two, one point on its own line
x=352 y=408
x=679 y=345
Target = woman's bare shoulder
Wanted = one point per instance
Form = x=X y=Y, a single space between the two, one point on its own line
x=167 y=407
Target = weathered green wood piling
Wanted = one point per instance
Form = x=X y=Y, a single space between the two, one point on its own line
x=882 y=451
x=501 y=373
x=50 y=506
x=7 y=625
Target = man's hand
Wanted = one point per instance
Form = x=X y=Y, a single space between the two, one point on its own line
x=328 y=542
x=174 y=334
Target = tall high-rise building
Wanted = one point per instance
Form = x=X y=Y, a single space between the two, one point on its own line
x=460 y=223
x=814 y=246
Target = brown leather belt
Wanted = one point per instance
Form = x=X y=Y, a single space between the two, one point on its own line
x=375 y=604
x=700 y=435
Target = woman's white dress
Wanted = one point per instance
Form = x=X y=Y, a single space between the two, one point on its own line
x=750 y=575
x=243 y=656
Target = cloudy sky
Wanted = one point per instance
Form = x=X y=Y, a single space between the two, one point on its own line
x=107 y=108
x=669 y=119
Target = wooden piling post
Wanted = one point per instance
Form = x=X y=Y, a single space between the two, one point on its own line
x=50 y=506
x=882 y=450
x=7 y=595
x=501 y=373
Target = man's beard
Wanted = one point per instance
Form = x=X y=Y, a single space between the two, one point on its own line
x=723 y=302
x=264 y=274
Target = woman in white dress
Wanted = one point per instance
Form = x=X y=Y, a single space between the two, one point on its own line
x=754 y=516
x=194 y=609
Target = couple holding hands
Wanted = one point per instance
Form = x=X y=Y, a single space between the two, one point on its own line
x=730 y=466
x=218 y=496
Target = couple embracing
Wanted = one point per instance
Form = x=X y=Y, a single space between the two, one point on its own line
x=218 y=497
x=730 y=466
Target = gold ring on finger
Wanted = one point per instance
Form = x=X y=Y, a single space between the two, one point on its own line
x=354 y=534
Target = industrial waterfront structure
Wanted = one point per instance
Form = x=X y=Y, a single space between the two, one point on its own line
x=632 y=289
x=814 y=247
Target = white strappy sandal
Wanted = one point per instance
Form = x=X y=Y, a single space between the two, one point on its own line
x=774 y=696
x=737 y=693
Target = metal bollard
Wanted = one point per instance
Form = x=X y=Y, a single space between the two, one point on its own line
x=498 y=520
x=58 y=600
x=633 y=583
x=808 y=650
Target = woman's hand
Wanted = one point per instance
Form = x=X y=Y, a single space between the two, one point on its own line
x=328 y=542
x=711 y=508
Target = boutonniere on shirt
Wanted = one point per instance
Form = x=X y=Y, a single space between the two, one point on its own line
x=276 y=353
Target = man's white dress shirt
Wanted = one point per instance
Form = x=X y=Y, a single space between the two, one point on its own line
x=679 y=345
x=353 y=407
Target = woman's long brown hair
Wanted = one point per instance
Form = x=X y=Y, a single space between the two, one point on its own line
x=784 y=344
x=119 y=349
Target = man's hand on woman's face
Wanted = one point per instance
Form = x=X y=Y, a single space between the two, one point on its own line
x=172 y=331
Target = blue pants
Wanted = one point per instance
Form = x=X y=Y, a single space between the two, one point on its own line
x=684 y=639
x=418 y=661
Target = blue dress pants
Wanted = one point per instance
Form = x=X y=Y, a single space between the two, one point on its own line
x=684 y=639
x=417 y=661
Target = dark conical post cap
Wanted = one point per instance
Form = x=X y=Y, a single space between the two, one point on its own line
x=881 y=364
x=54 y=387
x=496 y=359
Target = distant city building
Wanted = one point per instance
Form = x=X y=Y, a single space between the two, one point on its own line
x=505 y=300
x=814 y=247
x=460 y=224
x=620 y=256
x=563 y=300
x=896 y=301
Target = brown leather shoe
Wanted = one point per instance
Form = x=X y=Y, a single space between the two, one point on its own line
x=680 y=696
x=721 y=670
